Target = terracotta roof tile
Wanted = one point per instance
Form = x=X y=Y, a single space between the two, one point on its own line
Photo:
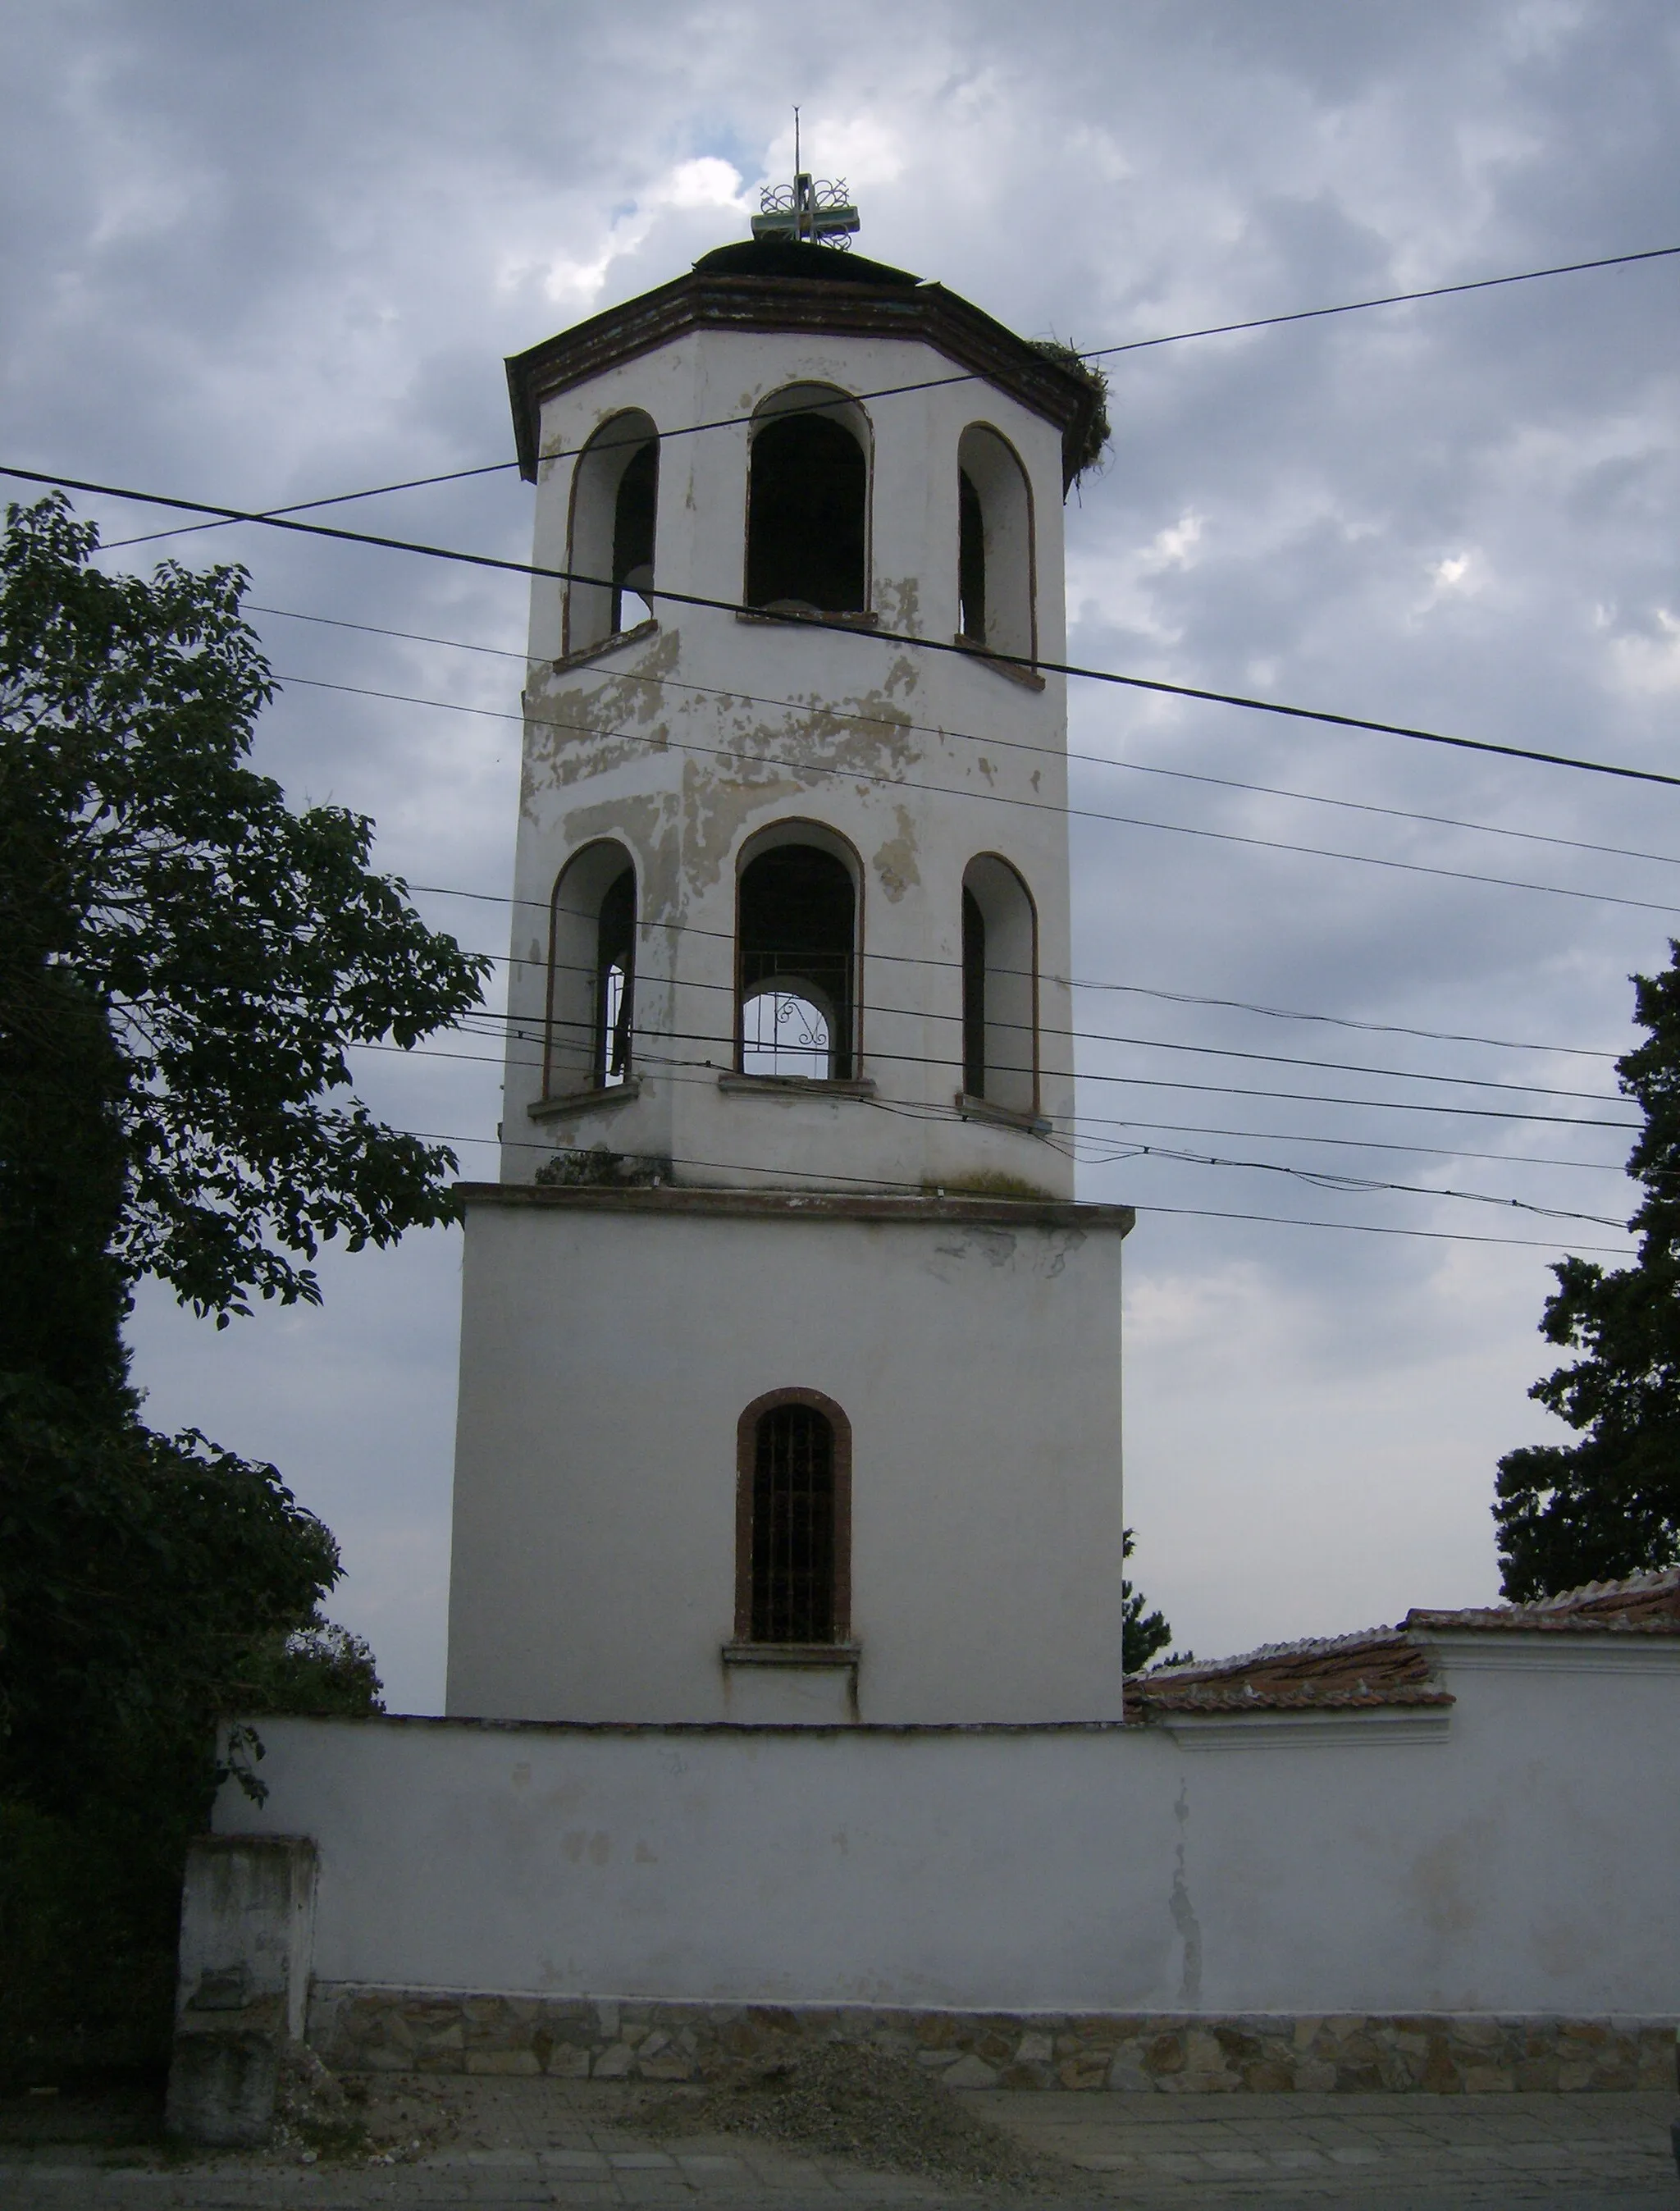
x=1347 y=1673
x=1385 y=1666
x=1643 y=1604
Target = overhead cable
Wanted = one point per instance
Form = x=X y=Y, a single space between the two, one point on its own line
x=500 y=565
x=966 y=376
x=664 y=741
x=921 y=1189
x=546 y=907
x=1010 y=744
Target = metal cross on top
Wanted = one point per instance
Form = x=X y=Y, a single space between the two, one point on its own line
x=806 y=211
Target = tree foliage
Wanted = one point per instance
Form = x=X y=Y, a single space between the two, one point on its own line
x=236 y=950
x=1610 y=1504
x=185 y=965
x=1142 y=1632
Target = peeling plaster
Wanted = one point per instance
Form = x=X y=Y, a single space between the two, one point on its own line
x=895 y=861
x=898 y=600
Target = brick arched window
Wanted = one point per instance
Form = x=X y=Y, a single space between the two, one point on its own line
x=793 y=1521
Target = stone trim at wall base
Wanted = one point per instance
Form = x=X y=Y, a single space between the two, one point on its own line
x=358 y=2028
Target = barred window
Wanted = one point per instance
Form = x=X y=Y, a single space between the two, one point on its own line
x=793 y=1579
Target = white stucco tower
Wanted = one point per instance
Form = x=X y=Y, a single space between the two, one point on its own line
x=790 y=1370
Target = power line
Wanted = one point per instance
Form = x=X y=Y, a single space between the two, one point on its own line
x=665 y=743
x=967 y=376
x=1163 y=1083
x=1074 y=982
x=1390 y=300
x=1085 y=1036
x=498 y=564
x=1091 y=1036
x=1352 y=1143
x=1015 y=744
x=1319 y=1178
x=1205 y=1213
x=526 y=1028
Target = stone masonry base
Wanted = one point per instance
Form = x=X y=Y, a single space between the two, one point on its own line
x=369 y=2029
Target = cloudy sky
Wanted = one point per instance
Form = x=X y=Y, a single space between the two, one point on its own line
x=273 y=253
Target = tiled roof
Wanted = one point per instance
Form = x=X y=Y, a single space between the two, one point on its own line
x=1388 y=1666
x=1345 y=1672
x=1643 y=1604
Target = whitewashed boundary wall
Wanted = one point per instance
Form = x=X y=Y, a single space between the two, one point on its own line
x=1515 y=1854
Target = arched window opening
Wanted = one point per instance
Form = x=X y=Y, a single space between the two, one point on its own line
x=999 y=986
x=995 y=557
x=808 y=505
x=974 y=996
x=796 y=931
x=633 y=516
x=614 y=514
x=615 y=973
x=591 y=973
x=792 y=1571
x=970 y=561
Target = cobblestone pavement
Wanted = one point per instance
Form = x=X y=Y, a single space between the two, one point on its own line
x=519 y=2142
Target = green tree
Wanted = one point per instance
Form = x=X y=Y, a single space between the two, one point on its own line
x=236 y=950
x=1610 y=1504
x=184 y=963
x=1142 y=1633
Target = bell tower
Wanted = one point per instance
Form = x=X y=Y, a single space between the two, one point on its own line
x=790 y=1380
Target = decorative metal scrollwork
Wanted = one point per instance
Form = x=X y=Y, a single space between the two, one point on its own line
x=808 y=210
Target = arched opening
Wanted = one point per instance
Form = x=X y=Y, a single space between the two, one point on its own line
x=999 y=986
x=591 y=972
x=793 y=1515
x=807 y=504
x=995 y=560
x=614 y=513
x=796 y=937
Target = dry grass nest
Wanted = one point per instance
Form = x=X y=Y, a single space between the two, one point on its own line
x=845 y=2099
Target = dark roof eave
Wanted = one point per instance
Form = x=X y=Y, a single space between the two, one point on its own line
x=927 y=314
x=800 y=1204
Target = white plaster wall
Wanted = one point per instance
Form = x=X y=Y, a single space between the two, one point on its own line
x=686 y=771
x=1521 y=1858
x=607 y=1356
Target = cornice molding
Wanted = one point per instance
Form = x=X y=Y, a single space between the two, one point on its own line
x=803 y=1205
x=926 y=314
x=1381 y=1730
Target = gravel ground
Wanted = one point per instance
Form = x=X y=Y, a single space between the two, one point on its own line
x=885 y=2112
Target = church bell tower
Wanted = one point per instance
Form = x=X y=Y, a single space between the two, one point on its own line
x=790 y=1369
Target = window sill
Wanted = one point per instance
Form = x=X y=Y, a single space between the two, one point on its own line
x=783 y=617
x=585 y=1102
x=1002 y=1117
x=791 y=1654
x=585 y=653
x=793 y=1086
x=1029 y=677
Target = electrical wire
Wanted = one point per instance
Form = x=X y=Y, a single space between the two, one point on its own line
x=665 y=743
x=1075 y=982
x=501 y=1028
x=883 y=1186
x=1103 y=1036
x=1163 y=1083
x=1031 y=665
x=1114 y=1154
x=1014 y=744
x=966 y=376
